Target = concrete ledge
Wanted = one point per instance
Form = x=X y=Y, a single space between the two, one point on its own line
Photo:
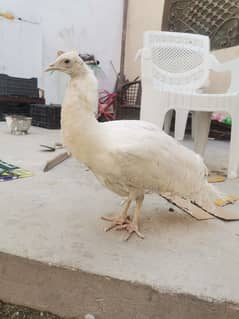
x=73 y=293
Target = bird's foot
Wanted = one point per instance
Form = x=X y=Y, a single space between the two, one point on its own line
x=117 y=223
x=131 y=228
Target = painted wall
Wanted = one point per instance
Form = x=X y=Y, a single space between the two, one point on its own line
x=15 y=53
x=143 y=15
x=92 y=26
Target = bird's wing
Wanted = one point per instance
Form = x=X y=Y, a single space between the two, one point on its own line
x=132 y=125
x=148 y=158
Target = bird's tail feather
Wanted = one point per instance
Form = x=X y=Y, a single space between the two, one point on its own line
x=207 y=196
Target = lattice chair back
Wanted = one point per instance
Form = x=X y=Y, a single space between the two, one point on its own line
x=180 y=61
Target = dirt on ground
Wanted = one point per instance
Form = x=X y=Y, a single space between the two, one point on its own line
x=8 y=311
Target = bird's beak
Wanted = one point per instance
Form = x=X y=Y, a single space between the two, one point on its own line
x=51 y=67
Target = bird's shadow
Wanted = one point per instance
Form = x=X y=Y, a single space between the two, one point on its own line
x=159 y=219
x=167 y=223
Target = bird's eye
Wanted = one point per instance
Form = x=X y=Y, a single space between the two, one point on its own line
x=67 y=61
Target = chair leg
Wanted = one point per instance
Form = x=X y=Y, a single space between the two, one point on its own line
x=202 y=121
x=180 y=124
x=193 y=125
x=233 y=166
x=151 y=112
x=168 y=121
x=160 y=118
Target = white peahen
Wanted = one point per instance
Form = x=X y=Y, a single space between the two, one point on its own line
x=131 y=158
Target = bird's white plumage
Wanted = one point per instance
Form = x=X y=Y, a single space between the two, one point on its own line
x=143 y=157
x=129 y=156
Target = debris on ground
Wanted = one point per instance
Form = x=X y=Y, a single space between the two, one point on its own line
x=221 y=202
x=48 y=148
x=8 y=311
x=216 y=179
x=10 y=172
x=56 y=160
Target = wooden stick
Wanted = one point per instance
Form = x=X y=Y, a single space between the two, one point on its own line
x=56 y=160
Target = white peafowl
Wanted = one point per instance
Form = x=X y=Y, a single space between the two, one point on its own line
x=131 y=158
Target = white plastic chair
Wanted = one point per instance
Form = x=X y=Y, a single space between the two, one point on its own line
x=204 y=120
x=168 y=84
x=186 y=57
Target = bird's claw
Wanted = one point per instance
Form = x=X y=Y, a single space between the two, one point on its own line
x=120 y=223
x=117 y=222
x=131 y=229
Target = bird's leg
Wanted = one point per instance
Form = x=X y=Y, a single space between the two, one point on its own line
x=122 y=219
x=133 y=227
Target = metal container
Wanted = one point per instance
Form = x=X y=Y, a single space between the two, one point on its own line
x=18 y=124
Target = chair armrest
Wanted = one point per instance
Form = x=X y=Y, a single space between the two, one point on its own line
x=215 y=65
x=231 y=66
x=196 y=101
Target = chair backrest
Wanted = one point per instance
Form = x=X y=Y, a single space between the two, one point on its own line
x=180 y=61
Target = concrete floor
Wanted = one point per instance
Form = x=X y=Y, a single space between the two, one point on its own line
x=54 y=218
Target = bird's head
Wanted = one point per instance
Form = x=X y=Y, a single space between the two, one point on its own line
x=69 y=63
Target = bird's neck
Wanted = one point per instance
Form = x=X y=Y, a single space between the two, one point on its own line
x=81 y=130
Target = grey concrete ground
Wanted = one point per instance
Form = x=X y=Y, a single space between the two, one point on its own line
x=54 y=218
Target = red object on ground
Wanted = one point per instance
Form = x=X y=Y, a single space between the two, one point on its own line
x=106 y=105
